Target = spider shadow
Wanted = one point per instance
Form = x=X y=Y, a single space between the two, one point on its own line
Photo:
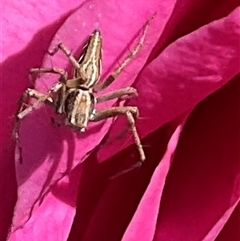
x=91 y=188
x=50 y=162
x=14 y=71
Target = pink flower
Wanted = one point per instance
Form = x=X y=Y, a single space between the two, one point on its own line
x=186 y=74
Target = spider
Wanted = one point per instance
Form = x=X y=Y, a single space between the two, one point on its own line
x=75 y=98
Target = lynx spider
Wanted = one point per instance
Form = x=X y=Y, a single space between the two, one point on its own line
x=74 y=98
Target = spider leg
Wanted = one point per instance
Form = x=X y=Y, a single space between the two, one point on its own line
x=60 y=72
x=40 y=98
x=125 y=62
x=130 y=112
x=23 y=112
x=74 y=83
x=123 y=93
x=67 y=52
x=31 y=93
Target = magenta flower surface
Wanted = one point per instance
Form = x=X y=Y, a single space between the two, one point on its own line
x=187 y=76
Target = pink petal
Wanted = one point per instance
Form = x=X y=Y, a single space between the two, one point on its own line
x=32 y=57
x=21 y=20
x=45 y=164
x=231 y=228
x=203 y=182
x=45 y=223
x=217 y=228
x=144 y=220
x=186 y=72
x=26 y=30
x=107 y=206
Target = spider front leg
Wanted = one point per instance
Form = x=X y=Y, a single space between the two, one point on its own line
x=76 y=81
x=130 y=112
x=67 y=52
x=100 y=86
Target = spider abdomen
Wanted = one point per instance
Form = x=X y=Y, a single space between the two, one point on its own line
x=79 y=105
